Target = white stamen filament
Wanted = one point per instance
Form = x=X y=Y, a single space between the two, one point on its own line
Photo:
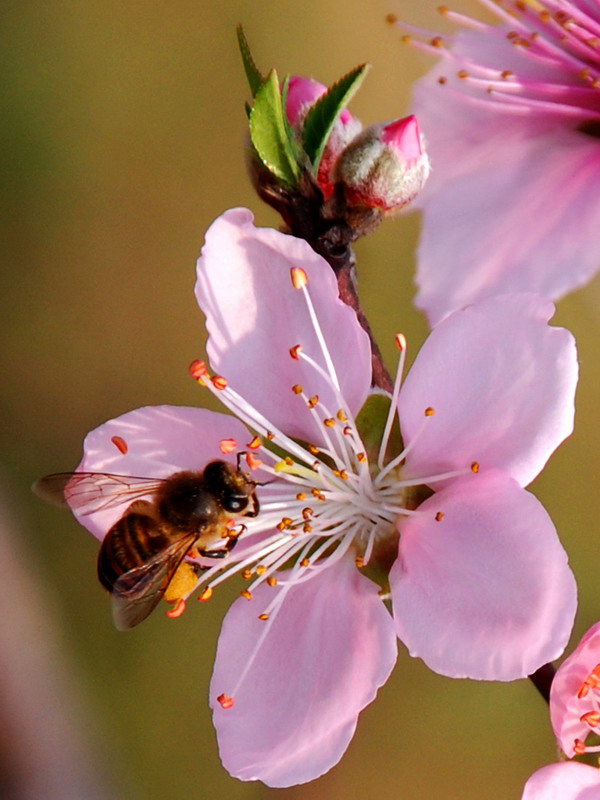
x=393 y=406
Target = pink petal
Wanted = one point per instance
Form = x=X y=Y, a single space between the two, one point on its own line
x=159 y=440
x=307 y=673
x=568 y=780
x=501 y=383
x=566 y=707
x=486 y=592
x=254 y=316
x=511 y=203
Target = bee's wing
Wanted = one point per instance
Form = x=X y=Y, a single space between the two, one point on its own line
x=87 y=492
x=137 y=592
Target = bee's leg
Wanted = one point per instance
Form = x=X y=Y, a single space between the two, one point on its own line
x=228 y=546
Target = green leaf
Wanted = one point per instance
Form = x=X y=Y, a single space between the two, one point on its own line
x=255 y=79
x=322 y=116
x=269 y=134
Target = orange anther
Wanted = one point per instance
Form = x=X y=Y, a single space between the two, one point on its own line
x=246 y=574
x=255 y=443
x=245 y=593
x=391 y=19
x=579 y=747
x=299 y=277
x=219 y=382
x=305 y=562
x=225 y=700
x=206 y=595
x=297 y=389
x=583 y=690
x=178 y=610
x=329 y=422
x=429 y=411
x=439 y=516
x=263 y=617
x=120 y=444
x=361 y=457
x=307 y=513
x=272 y=581
x=462 y=73
x=400 y=341
x=252 y=462
x=227 y=446
x=300 y=496
x=295 y=351
x=313 y=449
x=437 y=41
x=475 y=467
x=312 y=401
x=359 y=561
x=341 y=416
x=591 y=718
x=197 y=369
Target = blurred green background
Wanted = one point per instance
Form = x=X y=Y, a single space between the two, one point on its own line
x=123 y=138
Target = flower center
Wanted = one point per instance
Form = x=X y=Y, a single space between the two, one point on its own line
x=589 y=695
x=340 y=496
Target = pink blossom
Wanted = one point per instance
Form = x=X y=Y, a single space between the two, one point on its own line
x=479 y=584
x=511 y=115
x=301 y=96
x=567 y=780
x=575 y=695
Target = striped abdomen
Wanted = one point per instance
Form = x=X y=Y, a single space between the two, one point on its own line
x=132 y=541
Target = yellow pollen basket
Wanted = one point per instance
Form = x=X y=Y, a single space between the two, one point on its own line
x=182 y=583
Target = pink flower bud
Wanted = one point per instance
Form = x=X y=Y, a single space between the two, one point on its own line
x=301 y=96
x=385 y=166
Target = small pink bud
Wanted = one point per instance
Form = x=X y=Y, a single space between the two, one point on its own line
x=301 y=96
x=405 y=137
x=302 y=93
x=385 y=166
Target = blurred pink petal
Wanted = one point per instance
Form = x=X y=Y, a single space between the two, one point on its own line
x=575 y=694
x=299 y=680
x=512 y=133
x=484 y=592
x=568 y=780
x=254 y=316
x=159 y=440
x=501 y=382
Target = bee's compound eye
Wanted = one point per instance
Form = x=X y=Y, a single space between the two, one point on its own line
x=234 y=504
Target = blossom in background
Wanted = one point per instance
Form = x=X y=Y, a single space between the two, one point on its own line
x=575 y=696
x=511 y=116
x=568 y=780
x=478 y=582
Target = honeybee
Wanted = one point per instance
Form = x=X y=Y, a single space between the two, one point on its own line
x=139 y=556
